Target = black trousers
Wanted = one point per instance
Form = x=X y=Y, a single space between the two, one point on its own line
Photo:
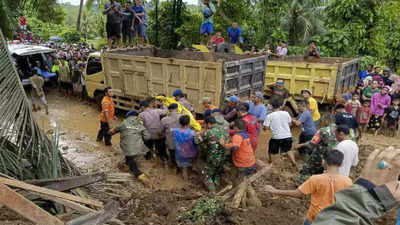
x=172 y=157
x=103 y=133
x=131 y=162
x=159 y=145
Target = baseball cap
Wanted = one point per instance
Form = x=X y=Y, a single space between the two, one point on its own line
x=233 y=98
x=259 y=94
x=306 y=90
x=131 y=113
x=177 y=92
x=386 y=69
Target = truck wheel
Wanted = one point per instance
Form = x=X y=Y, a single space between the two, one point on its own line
x=98 y=97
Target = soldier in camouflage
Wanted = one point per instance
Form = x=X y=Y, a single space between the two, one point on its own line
x=324 y=140
x=215 y=153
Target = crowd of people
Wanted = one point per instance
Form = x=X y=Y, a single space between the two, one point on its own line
x=64 y=68
x=129 y=22
x=230 y=135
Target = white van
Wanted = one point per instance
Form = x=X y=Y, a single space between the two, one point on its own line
x=25 y=57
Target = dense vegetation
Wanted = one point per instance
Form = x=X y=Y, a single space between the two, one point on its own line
x=345 y=28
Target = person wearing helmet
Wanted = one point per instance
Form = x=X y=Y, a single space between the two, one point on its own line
x=180 y=97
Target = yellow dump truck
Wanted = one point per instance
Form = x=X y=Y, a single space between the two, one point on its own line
x=138 y=74
x=325 y=77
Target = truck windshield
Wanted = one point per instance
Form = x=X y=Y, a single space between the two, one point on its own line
x=93 y=66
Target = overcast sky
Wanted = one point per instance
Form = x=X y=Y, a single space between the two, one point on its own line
x=76 y=2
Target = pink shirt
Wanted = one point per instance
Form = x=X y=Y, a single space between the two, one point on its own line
x=377 y=99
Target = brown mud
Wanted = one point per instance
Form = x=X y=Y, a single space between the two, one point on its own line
x=78 y=123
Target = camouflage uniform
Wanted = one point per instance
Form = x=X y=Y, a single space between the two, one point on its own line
x=324 y=140
x=215 y=156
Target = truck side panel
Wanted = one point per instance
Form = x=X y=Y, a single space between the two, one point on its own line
x=318 y=77
x=140 y=76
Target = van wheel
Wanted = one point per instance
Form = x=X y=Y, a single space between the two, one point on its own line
x=98 y=97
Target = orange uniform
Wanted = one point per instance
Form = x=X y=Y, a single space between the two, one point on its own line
x=322 y=189
x=242 y=152
x=107 y=106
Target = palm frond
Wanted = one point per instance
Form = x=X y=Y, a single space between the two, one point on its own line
x=25 y=150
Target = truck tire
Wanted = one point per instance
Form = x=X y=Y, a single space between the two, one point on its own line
x=98 y=97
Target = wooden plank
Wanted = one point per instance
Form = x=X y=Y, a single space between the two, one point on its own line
x=68 y=203
x=46 y=191
x=111 y=209
x=68 y=183
x=26 y=208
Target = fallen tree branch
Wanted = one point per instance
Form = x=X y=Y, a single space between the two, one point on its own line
x=67 y=203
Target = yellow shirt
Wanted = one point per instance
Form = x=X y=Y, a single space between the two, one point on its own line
x=314 y=108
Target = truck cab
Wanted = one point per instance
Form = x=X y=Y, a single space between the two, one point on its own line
x=94 y=77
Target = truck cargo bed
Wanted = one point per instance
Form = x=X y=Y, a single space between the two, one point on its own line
x=150 y=71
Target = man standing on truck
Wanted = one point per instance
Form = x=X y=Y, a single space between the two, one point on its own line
x=235 y=34
x=128 y=24
x=180 y=97
x=312 y=50
x=140 y=28
x=113 y=10
x=208 y=19
x=107 y=117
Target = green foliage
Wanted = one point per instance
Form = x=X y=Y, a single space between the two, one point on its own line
x=190 y=32
x=204 y=211
x=43 y=29
x=169 y=27
x=71 y=36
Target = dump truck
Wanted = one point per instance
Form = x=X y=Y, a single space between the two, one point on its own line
x=325 y=77
x=138 y=74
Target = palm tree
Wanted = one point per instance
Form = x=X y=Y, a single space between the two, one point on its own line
x=78 y=22
x=303 y=20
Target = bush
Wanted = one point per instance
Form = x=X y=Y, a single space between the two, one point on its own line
x=71 y=36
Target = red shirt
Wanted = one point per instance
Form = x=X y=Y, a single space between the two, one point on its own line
x=217 y=39
x=22 y=21
x=363 y=115
x=252 y=127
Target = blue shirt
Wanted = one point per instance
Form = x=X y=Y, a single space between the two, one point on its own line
x=138 y=9
x=308 y=125
x=234 y=34
x=259 y=111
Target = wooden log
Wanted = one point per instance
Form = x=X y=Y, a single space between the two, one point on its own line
x=45 y=191
x=252 y=197
x=111 y=209
x=250 y=180
x=26 y=208
x=224 y=190
x=244 y=199
x=237 y=199
x=68 y=203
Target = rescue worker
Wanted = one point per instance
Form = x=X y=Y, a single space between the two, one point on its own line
x=215 y=153
x=324 y=140
x=230 y=112
x=107 y=117
x=180 y=97
x=132 y=134
x=38 y=92
x=221 y=122
x=168 y=123
x=208 y=106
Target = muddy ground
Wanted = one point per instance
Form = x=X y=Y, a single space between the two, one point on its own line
x=78 y=123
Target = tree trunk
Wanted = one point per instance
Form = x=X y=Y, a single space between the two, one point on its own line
x=78 y=22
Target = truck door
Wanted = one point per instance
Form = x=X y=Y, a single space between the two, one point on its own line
x=94 y=75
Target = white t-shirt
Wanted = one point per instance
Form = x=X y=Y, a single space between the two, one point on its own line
x=279 y=122
x=350 y=151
